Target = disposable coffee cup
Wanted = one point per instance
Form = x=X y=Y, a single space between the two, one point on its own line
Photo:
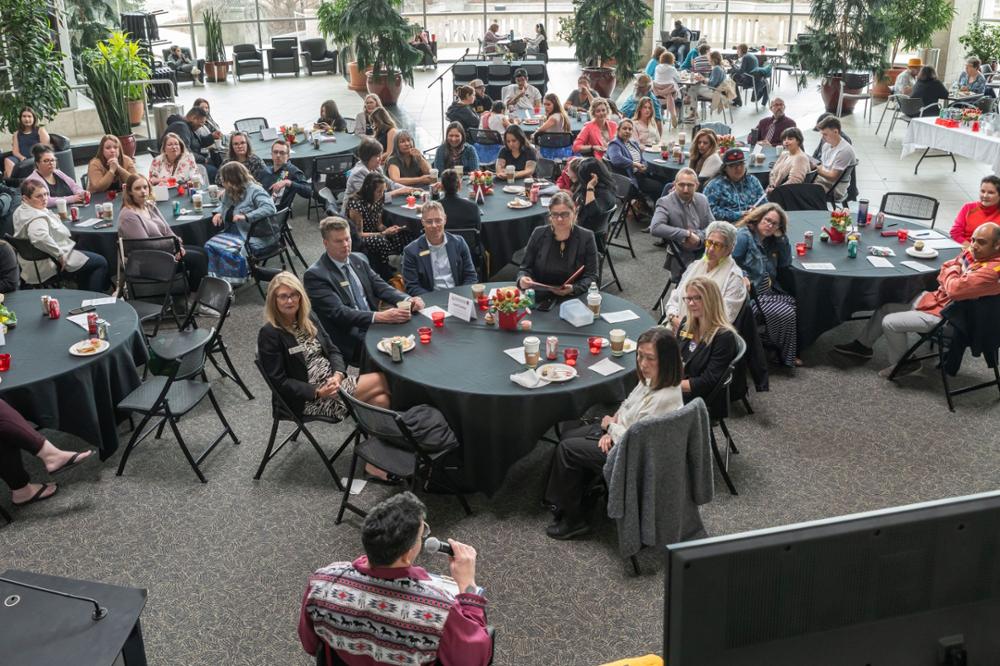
x=434 y=174
x=460 y=170
x=404 y=305
x=531 y=353
x=510 y=170
x=213 y=192
x=196 y=201
x=61 y=208
x=617 y=338
x=478 y=290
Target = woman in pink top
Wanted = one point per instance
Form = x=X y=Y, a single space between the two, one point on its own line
x=973 y=214
x=596 y=134
x=140 y=218
x=174 y=161
x=793 y=164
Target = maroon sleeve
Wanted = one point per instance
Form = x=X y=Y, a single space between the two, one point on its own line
x=465 y=641
x=307 y=636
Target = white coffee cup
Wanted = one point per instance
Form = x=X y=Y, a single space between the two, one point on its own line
x=61 y=208
x=617 y=338
x=460 y=170
x=213 y=192
x=531 y=353
x=196 y=200
x=434 y=174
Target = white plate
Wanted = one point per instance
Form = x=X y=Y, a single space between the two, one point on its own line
x=926 y=253
x=75 y=350
x=512 y=204
x=556 y=372
x=513 y=189
x=383 y=345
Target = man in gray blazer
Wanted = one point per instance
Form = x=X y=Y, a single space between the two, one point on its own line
x=345 y=291
x=436 y=260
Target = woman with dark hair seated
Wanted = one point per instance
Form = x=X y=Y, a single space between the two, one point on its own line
x=625 y=155
x=455 y=152
x=593 y=193
x=707 y=339
x=57 y=184
x=330 y=118
x=461 y=213
x=556 y=252
x=17 y=434
x=241 y=151
x=930 y=90
x=518 y=153
x=364 y=209
x=583 y=449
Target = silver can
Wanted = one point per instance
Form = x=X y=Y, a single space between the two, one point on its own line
x=102 y=330
x=809 y=239
x=551 y=347
x=396 y=349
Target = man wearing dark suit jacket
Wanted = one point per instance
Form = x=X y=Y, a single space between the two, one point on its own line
x=345 y=291
x=436 y=260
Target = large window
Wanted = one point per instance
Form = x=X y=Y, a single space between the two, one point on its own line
x=989 y=10
x=726 y=23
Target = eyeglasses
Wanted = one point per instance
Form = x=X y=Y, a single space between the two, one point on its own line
x=277 y=152
x=560 y=216
x=48 y=161
x=294 y=296
x=768 y=221
x=711 y=244
x=692 y=299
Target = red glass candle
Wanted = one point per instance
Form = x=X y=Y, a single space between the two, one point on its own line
x=902 y=235
x=4 y=362
x=800 y=249
x=171 y=182
x=570 y=355
x=595 y=343
x=425 y=334
x=438 y=318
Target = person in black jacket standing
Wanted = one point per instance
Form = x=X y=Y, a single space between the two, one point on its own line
x=187 y=129
x=708 y=341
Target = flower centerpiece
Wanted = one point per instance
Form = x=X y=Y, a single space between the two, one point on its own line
x=840 y=222
x=726 y=141
x=481 y=181
x=288 y=132
x=7 y=316
x=511 y=305
x=970 y=116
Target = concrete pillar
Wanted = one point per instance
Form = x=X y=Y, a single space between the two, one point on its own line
x=952 y=53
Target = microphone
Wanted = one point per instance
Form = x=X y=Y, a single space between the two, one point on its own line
x=433 y=546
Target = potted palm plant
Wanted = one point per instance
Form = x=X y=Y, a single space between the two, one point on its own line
x=380 y=39
x=608 y=36
x=847 y=42
x=216 y=65
x=33 y=66
x=911 y=30
x=108 y=69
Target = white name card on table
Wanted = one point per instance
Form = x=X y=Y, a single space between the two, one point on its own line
x=941 y=244
x=107 y=300
x=461 y=307
x=80 y=320
x=606 y=367
x=88 y=223
x=818 y=266
x=516 y=353
x=268 y=133
x=879 y=262
x=918 y=267
x=189 y=218
x=615 y=317
x=428 y=311
x=161 y=192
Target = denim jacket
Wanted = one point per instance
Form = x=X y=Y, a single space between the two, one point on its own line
x=255 y=204
x=760 y=258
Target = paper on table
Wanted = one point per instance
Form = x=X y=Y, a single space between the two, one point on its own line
x=879 y=262
x=941 y=244
x=516 y=353
x=89 y=222
x=189 y=218
x=606 y=367
x=107 y=300
x=80 y=320
x=430 y=310
x=615 y=317
x=926 y=234
x=818 y=266
x=461 y=307
x=917 y=266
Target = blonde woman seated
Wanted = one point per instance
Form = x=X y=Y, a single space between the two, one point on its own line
x=716 y=265
x=644 y=120
x=110 y=167
x=302 y=362
x=174 y=161
x=707 y=339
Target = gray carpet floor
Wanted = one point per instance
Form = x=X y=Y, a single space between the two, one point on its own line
x=225 y=563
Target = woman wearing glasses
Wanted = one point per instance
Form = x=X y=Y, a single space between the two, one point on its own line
x=716 y=265
x=556 y=252
x=763 y=252
x=240 y=151
x=707 y=340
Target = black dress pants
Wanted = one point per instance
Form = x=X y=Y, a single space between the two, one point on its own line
x=578 y=462
x=15 y=434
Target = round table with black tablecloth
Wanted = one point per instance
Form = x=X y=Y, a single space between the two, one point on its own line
x=464 y=373
x=57 y=390
x=505 y=230
x=529 y=127
x=105 y=241
x=302 y=151
x=828 y=298
x=666 y=170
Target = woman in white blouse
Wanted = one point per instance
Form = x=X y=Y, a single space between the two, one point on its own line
x=717 y=265
x=581 y=453
x=644 y=121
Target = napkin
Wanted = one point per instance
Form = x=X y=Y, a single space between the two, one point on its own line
x=529 y=379
x=516 y=353
x=606 y=367
x=431 y=309
x=616 y=317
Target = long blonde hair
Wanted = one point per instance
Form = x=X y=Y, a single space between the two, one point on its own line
x=698 y=159
x=713 y=317
x=271 y=314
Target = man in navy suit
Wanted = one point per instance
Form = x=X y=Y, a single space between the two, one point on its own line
x=436 y=260
x=345 y=291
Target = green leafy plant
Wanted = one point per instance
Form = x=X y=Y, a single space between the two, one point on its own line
x=34 y=74
x=982 y=41
x=846 y=36
x=215 y=50
x=108 y=68
x=605 y=30
x=911 y=29
x=376 y=32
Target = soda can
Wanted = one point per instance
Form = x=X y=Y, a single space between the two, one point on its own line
x=880 y=220
x=316 y=142
x=852 y=249
x=45 y=304
x=86 y=197
x=397 y=351
x=102 y=330
x=92 y=324
x=177 y=208
x=53 y=308
x=552 y=348
x=808 y=236
x=74 y=214
x=862 y=212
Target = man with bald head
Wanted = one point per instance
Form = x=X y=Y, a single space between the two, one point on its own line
x=972 y=274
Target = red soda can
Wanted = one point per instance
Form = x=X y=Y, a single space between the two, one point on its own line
x=552 y=348
x=92 y=324
x=53 y=308
x=74 y=214
x=86 y=197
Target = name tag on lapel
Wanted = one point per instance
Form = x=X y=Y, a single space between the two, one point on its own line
x=345 y=283
x=425 y=253
x=297 y=350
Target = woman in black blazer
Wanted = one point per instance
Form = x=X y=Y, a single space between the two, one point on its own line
x=708 y=341
x=302 y=362
x=555 y=252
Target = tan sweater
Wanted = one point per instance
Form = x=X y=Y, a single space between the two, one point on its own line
x=100 y=178
x=789 y=169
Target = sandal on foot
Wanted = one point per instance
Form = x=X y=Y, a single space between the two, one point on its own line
x=73 y=461
x=40 y=496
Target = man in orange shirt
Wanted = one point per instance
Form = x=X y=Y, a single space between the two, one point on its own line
x=972 y=274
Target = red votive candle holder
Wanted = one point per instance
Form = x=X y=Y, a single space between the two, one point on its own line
x=425 y=334
x=595 y=343
x=483 y=302
x=171 y=182
x=902 y=235
x=570 y=355
x=4 y=362
x=438 y=318
x=800 y=249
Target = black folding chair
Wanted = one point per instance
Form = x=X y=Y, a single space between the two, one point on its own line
x=602 y=235
x=250 y=124
x=282 y=217
x=718 y=408
x=799 y=196
x=910 y=206
x=674 y=254
x=265 y=241
x=6 y=516
x=906 y=109
x=623 y=190
x=719 y=128
x=329 y=178
x=167 y=398
x=480 y=255
x=28 y=252
x=280 y=411
x=545 y=169
x=487 y=144
x=548 y=142
x=387 y=443
x=151 y=279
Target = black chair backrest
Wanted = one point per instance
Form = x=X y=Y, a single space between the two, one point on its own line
x=799 y=196
x=284 y=47
x=717 y=407
x=383 y=424
x=623 y=186
x=333 y=169
x=499 y=72
x=168 y=244
x=553 y=139
x=279 y=408
x=151 y=265
x=246 y=52
x=665 y=36
x=913 y=206
x=535 y=71
x=464 y=72
x=269 y=228
x=252 y=124
x=545 y=169
x=484 y=137
x=695 y=36
x=911 y=107
x=215 y=294
x=26 y=250
x=316 y=47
